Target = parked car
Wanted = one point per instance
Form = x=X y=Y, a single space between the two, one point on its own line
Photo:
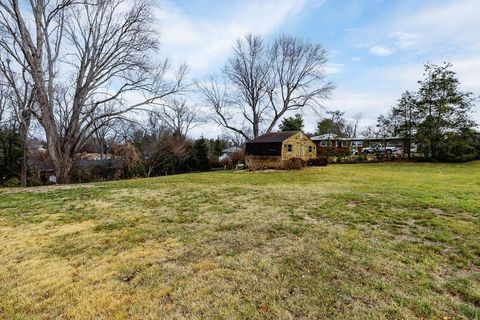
x=379 y=148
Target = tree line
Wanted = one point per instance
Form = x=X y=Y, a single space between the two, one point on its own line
x=87 y=75
x=76 y=67
x=437 y=117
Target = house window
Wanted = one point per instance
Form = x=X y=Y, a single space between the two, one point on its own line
x=325 y=143
x=310 y=149
x=289 y=148
x=357 y=143
x=344 y=144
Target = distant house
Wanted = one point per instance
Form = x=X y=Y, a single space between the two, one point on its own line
x=87 y=170
x=228 y=152
x=94 y=156
x=273 y=150
x=337 y=145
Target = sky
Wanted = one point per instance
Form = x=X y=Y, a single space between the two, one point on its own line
x=377 y=48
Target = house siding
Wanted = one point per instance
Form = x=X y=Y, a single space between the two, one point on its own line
x=300 y=147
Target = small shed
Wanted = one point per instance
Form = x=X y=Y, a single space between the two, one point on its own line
x=274 y=149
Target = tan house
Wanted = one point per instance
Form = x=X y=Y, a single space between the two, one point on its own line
x=274 y=149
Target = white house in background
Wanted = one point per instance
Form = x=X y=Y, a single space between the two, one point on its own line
x=227 y=152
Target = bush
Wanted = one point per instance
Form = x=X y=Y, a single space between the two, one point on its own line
x=294 y=164
x=255 y=167
x=234 y=159
x=14 y=182
x=318 y=162
x=34 y=181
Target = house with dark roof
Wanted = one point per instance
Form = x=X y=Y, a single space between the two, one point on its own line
x=274 y=149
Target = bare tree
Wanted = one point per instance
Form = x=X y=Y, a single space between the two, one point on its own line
x=247 y=72
x=265 y=82
x=233 y=138
x=3 y=100
x=369 y=132
x=297 y=76
x=351 y=127
x=105 y=130
x=225 y=114
x=80 y=56
x=179 y=117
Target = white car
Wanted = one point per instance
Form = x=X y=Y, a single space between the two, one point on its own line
x=378 y=148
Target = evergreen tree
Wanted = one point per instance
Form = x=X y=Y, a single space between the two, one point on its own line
x=333 y=124
x=215 y=148
x=10 y=152
x=292 y=123
x=199 y=155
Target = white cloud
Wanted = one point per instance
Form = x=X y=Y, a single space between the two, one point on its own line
x=204 y=43
x=370 y=103
x=437 y=29
x=449 y=20
x=403 y=39
x=381 y=51
x=333 y=68
x=430 y=31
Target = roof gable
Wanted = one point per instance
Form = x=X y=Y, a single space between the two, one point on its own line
x=273 y=137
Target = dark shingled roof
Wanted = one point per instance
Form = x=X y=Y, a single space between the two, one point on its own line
x=273 y=137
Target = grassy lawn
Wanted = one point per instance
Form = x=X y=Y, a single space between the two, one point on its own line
x=371 y=241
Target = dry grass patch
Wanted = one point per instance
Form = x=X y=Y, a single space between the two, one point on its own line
x=397 y=241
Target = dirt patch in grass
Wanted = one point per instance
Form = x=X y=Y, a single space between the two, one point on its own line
x=42 y=189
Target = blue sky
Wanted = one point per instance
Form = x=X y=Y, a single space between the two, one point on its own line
x=377 y=47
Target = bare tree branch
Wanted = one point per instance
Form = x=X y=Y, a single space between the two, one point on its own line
x=265 y=82
x=104 y=51
x=179 y=117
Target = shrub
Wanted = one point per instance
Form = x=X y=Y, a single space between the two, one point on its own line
x=318 y=162
x=14 y=182
x=34 y=181
x=294 y=164
x=234 y=159
x=255 y=167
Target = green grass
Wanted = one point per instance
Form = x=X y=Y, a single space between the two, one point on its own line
x=366 y=241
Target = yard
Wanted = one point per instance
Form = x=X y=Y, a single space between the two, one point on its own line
x=389 y=240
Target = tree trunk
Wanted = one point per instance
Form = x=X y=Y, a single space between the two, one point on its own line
x=62 y=159
x=63 y=169
x=24 y=165
x=24 y=127
x=409 y=148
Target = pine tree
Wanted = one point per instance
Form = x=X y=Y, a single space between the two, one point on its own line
x=292 y=123
x=200 y=154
